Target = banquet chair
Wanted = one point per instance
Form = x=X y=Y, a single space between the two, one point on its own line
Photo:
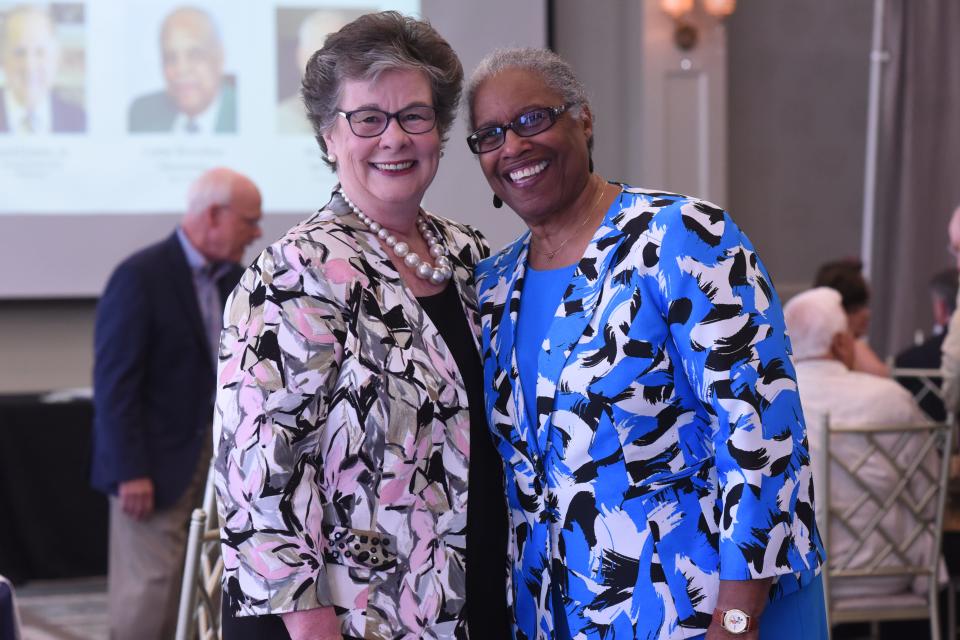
x=199 y=613
x=923 y=384
x=914 y=505
x=9 y=616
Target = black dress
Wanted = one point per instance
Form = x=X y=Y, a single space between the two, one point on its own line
x=487 y=613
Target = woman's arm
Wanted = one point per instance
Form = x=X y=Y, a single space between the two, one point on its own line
x=734 y=351
x=282 y=352
x=866 y=360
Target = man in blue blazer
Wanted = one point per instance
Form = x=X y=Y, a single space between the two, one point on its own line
x=156 y=340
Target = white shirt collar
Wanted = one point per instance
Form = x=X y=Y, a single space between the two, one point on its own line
x=205 y=121
x=17 y=114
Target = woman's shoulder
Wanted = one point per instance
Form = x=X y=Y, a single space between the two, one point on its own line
x=320 y=251
x=676 y=221
x=664 y=207
x=325 y=235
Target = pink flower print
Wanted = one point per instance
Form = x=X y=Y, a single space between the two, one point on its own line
x=293 y=257
x=360 y=602
x=276 y=561
x=459 y=433
x=229 y=368
x=414 y=614
x=310 y=323
x=425 y=543
x=340 y=271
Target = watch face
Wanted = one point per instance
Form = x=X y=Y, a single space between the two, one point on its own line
x=735 y=621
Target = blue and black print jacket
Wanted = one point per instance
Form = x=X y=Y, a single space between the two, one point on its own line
x=670 y=450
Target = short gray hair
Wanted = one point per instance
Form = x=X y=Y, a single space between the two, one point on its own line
x=813 y=318
x=556 y=73
x=370 y=45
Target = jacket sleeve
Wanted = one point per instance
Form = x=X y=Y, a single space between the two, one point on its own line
x=281 y=351
x=121 y=333
x=727 y=325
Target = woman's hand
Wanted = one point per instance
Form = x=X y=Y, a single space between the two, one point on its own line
x=136 y=498
x=312 y=624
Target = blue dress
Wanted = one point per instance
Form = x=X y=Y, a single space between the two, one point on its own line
x=663 y=447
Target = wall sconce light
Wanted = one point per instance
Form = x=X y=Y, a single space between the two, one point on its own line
x=685 y=34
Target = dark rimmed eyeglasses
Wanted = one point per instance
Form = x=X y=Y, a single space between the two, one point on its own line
x=528 y=123
x=369 y=123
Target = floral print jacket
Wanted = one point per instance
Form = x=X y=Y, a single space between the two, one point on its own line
x=342 y=435
x=669 y=450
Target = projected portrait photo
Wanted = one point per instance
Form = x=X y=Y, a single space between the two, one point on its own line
x=198 y=97
x=300 y=32
x=42 y=60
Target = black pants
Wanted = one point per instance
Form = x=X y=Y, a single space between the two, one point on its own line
x=252 y=627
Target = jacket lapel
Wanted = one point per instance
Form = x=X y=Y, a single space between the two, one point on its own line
x=463 y=277
x=185 y=291
x=503 y=335
x=580 y=302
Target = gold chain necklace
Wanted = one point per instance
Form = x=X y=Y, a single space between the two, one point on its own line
x=549 y=255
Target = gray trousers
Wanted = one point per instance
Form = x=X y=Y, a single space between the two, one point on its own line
x=146 y=565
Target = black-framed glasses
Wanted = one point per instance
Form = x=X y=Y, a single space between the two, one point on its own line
x=369 y=123
x=528 y=123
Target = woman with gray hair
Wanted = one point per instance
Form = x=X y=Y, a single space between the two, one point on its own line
x=639 y=389
x=349 y=420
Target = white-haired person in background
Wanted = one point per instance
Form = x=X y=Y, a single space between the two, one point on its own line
x=823 y=348
x=950 y=364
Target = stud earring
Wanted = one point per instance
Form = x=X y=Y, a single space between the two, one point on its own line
x=497 y=202
x=331 y=158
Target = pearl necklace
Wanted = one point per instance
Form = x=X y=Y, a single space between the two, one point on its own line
x=438 y=274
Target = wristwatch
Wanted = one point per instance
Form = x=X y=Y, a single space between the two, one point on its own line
x=733 y=621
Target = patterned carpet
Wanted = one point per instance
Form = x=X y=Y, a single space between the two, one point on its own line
x=63 y=609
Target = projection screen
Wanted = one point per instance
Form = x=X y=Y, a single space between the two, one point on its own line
x=104 y=167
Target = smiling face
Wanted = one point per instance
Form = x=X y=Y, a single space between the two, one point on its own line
x=30 y=57
x=192 y=60
x=542 y=175
x=389 y=173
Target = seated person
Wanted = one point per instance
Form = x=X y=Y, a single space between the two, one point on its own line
x=823 y=348
x=846 y=276
x=943 y=296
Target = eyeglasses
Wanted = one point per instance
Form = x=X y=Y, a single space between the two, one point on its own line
x=369 y=123
x=527 y=124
